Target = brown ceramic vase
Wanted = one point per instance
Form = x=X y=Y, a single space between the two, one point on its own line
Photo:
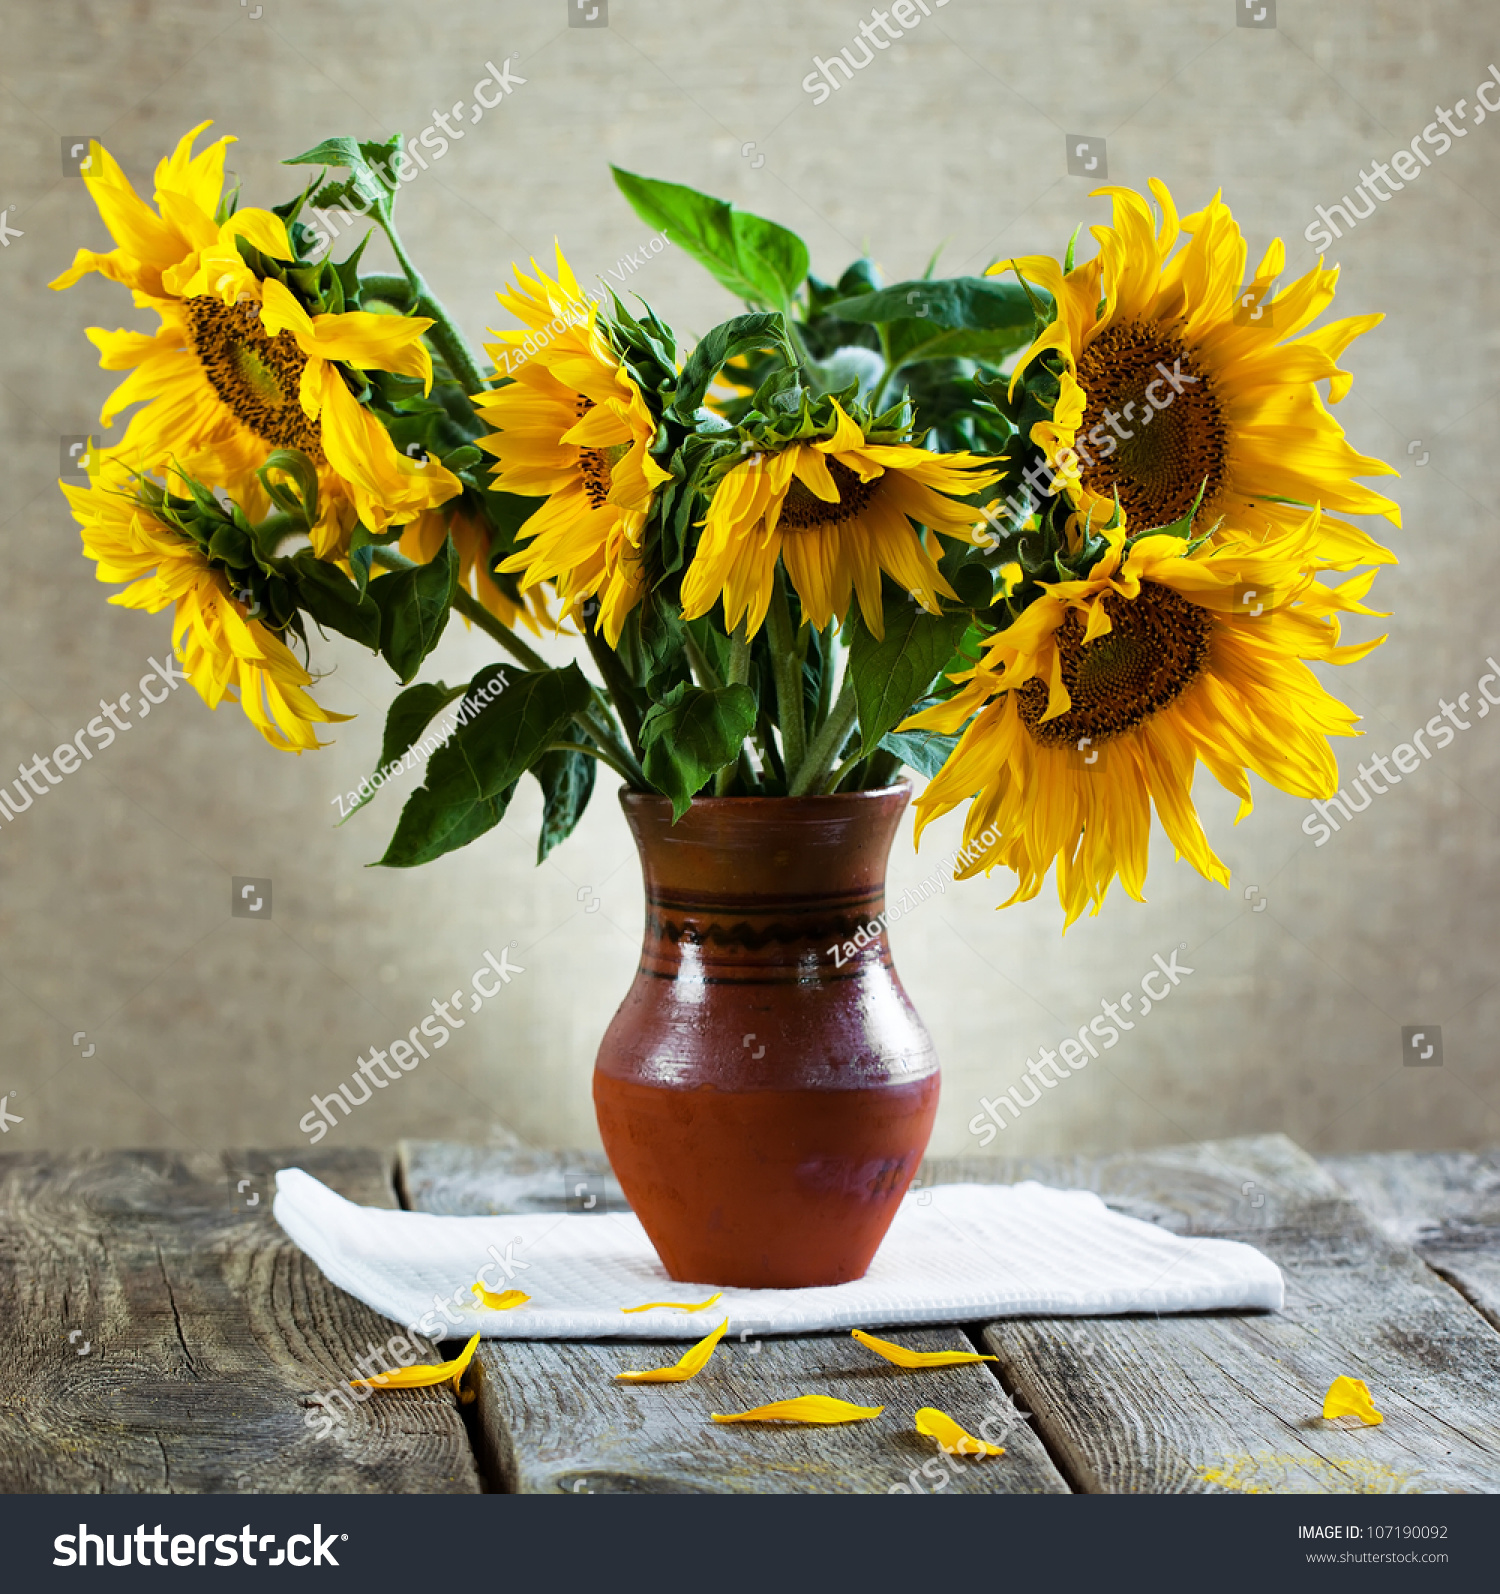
x=764 y=1097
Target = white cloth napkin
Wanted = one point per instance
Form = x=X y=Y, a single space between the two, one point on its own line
x=955 y=1253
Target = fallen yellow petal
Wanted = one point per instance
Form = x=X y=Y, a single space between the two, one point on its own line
x=918 y=1358
x=502 y=1302
x=1350 y=1397
x=676 y=1306
x=805 y=1408
x=950 y=1437
x=690 y=1365
x=428 y=1373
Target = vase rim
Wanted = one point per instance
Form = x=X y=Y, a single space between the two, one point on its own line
x=630 y=798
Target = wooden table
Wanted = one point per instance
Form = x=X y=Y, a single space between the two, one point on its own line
x=162 y=1335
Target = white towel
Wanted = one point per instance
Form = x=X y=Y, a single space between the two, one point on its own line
x=958 y=1253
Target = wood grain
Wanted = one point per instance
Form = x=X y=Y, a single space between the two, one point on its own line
x=1231 y=1402
x=207 y=1334
x=437 y=1176
x=1444 y=1204
x=553 y=1420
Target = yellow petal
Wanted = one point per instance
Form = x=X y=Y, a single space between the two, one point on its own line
x=502 y=1302
x=918 y=1358
x=805 y=1408
x=420 y=1377
x=1350 y=1397
x=690 y=1365
x=676 y=1306
x=950 y=1437
x=280 y=312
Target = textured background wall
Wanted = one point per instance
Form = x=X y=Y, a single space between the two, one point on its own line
x=115 y=889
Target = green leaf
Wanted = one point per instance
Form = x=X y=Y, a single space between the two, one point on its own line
x=414 y=607
x=411 y=713
x=976 y=318
x=333 y=600
x=300 y=498
x=362 y=545
x=567 y=782
x=892 y=674
x=231 y=545
x=863 y=276
x=691 y=735
x=471 y=777
x=756 y=259
x=508 y=735
x=406 y=719
x=974 y=584
x=430 y=826
x=744 y=333
x=985 y=303
x=653 y=646
x=924 y=751
x=770 y=253
x=346 y=272
x=368 y=162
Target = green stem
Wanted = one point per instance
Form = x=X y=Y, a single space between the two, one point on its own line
x=739 y=656
x=592 y=752
x=617 y=683
x=475 y=612
x=788 y=674
x=800 y=359
x=811 y=773
x=825 y=675
x=593 y=719
x=444 y=333
x=395 y=291
x=708 y=676
x=770 y=754
x=851 y=762
x=884 y=768
x=596 y=721
x=739 y=675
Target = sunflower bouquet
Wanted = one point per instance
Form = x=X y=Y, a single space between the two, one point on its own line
x=1049 y=536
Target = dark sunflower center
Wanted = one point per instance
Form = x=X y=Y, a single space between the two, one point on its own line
x=597 y=464
x=255 y=376
x=1147 y=394
x=1159 y=646
x=803 y=510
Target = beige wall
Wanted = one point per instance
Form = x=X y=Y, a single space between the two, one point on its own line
x=114 y=889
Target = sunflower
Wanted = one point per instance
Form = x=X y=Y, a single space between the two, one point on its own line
x=224 y=650
x=422 y=539
x=573 y=427
x=1176 y=377
x=837 y=513
x=238 y=367
x=1105 y=693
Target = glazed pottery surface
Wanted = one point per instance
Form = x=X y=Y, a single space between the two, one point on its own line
x=765 y=1096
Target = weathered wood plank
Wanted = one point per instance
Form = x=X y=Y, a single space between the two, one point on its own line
x=554 y=1421
x=559 y=1424
x=163 y=1336
x=437 y=1176
x=1227 y=1402
x=1444 y=1204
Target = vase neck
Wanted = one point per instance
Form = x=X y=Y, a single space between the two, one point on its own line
x=741 y=887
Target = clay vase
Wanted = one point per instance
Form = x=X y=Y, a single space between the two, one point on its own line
x=765 y=1093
